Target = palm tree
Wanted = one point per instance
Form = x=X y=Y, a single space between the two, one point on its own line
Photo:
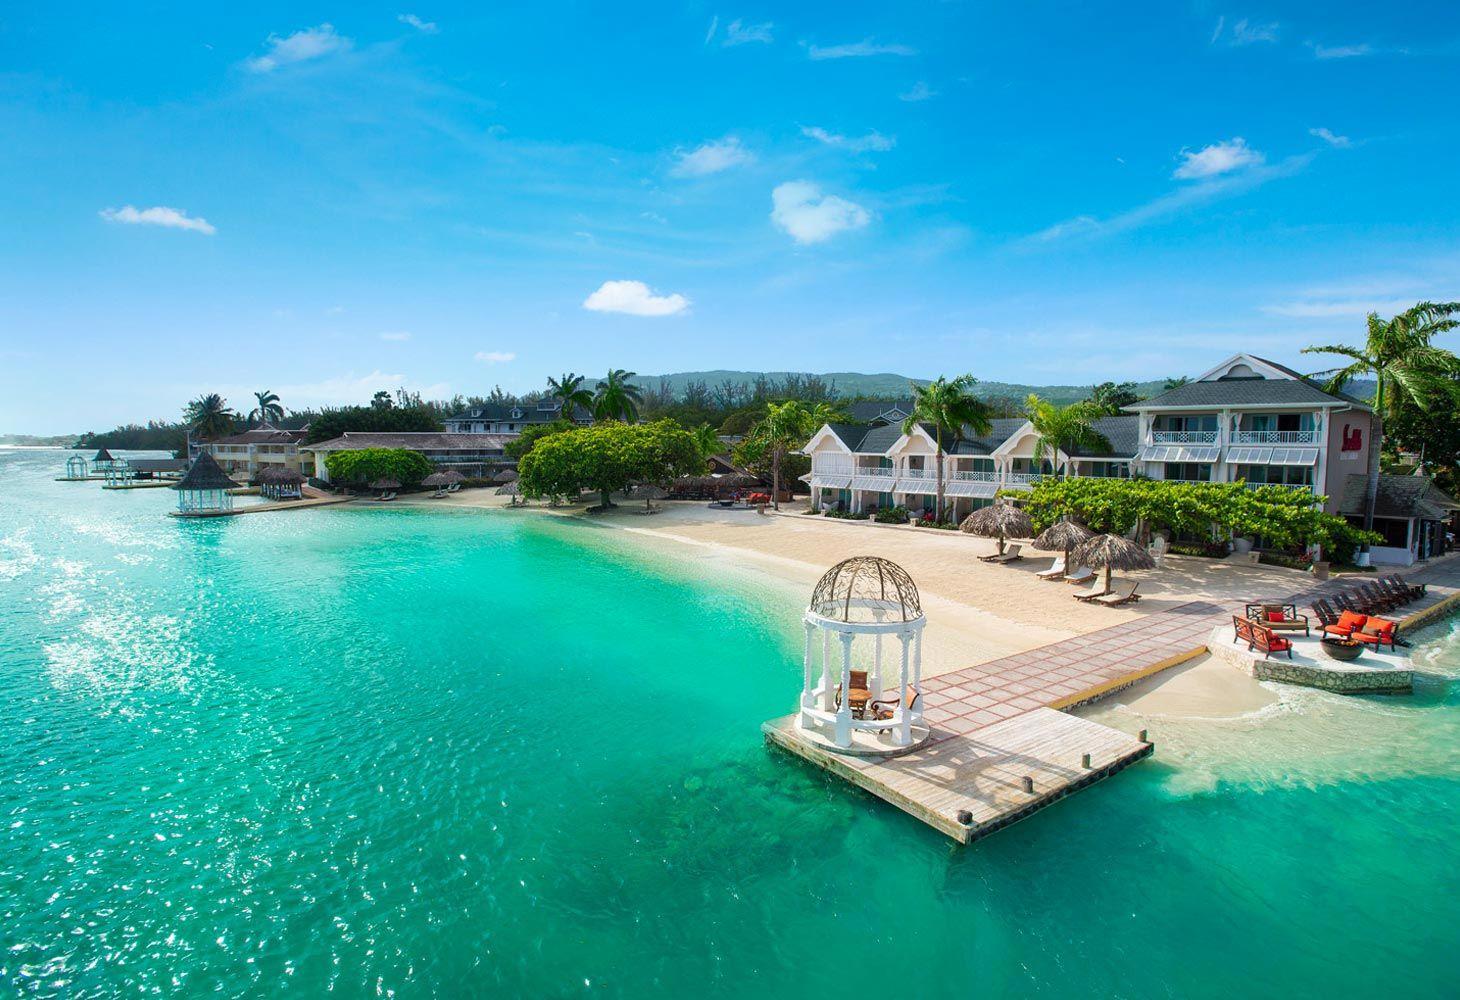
x=268 y=409
x=617 y=398
x=785 y=427
x=707 y=439
x=210 y=416
x=1061 y=428
x=1408 y=370
x=569 y=391
x=949 y=406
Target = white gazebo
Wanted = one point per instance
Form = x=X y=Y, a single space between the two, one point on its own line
x=866 y=695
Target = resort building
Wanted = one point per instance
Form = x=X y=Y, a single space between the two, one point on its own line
x=252 y=451
x=1411 y=512
x=1246 y=419
x=474 y=455
x=511 y=418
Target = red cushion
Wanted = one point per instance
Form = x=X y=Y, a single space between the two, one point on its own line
x=1337 y=630
x=1275 y=616
x=1379 y=626
x=1278 y=642
x=1352 y=620
x=1365 y=637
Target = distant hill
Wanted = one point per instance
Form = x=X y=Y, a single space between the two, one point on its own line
x=883 y=384
x=37 y=441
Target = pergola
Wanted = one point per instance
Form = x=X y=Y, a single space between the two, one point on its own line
x=76 y=467
x=866 y=603
x=120 y=473
x=204 y=489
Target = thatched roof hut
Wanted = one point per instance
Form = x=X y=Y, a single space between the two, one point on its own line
x=103 y=456
x=1113 y=552
x=1001 y=520
x=204 y=474
x=280 y=476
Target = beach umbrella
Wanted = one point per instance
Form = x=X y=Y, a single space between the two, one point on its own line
x=1112 y=552
x=1063 y=535
x=436 y=479
x=1000 y=520
x=452 y=476
x=505 y=476
x=648 y=493
x=385 y=484
x=510 y=490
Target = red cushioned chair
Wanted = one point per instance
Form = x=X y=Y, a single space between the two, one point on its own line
x=1259 y=636
x=1377 y=632
x=1348 y=623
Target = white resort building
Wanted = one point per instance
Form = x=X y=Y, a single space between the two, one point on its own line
x=470 y=454
x=1246 y=419
x=250 y=452
x=510 y=418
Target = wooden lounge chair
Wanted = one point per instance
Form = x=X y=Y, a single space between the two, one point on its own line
x=1096 y=589
x=1279 y=617
x=1124 y=592
x=1011 y=554
x=1055 y=571
x=1327 y=613
x=1376 y=599
x=1416 y=590
x=1082 y=575
x=1257 y=636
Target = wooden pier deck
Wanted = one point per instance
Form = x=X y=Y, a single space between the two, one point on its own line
x=264 y=508
x=970 y=786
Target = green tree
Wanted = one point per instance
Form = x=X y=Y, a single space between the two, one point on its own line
x=388 y=419
x=569 y=391
x=948 y=405
x=369 y=464
x=524 y=442
x=1408 y=369
x=608 y=457
x=268 y=410
x=1062 y=428
x=707 y=440
x=382 y=401
x=210 y=416
x=785 y=427
x=617 y=397
x=1109 y=398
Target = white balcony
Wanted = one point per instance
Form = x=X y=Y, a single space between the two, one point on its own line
x=974 y=477
x=1183 y=437
x=875 y=470
x=1301 y=487
x=1022 y=478
x=1274 y=437
x=929 y=474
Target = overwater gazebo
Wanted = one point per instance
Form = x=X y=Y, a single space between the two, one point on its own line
x=120 y=473
x=104 y=461
x=280 y=483
x=204 y=489
x=76 y=467
x=858 y=699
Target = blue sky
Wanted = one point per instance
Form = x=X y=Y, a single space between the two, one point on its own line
x=325 y=200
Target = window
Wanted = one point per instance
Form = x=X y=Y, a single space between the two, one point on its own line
x=1284 y=475
x=1198 y=472
x=1105 y=470
x=1207 y=422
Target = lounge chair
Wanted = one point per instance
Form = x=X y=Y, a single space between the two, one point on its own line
x=1376 y=599
x=438 y=494
x=884 y=707
x=1258 y=636
x=993 y=557
x=1123 y=593
x=1377 y=632
x=1055 y=571
x=1279 y=617
x=1327 y=613
x=1347 y=623
x=1011 y=554
x=859 y=692
x=1416 y=590
x=1398 y=589
x=453 y=487
x=1096 y=589
x=1082 y=575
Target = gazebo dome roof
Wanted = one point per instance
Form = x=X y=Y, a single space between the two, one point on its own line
x=866 y=590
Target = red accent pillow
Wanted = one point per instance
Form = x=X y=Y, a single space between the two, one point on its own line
x=1351 y=620
x=1279 y=643
x=1275 y=616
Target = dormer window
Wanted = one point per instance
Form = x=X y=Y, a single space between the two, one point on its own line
x=516 y=413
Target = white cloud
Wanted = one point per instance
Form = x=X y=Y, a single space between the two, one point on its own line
x=1218 y=158
x=158 y=215
x=740 y=33
x=396 y=335
x=634 y=299
x=1246 y=32
x=873 y=141
x=495 y=357
x=1333 y=140
x=919 y=91
x=425 y=27
x=302 y=46
x=712 y=157
x=1340 y=51
x=857 y=50
x=808 y=216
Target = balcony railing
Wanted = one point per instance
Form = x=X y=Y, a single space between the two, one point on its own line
x=1301 y=487
x=975 y=476
x=1022 y=478
x=874 y=470
x=1184 y=437
x=1274 y=437
x=928 y=474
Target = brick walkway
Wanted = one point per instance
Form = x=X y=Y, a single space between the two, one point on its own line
x=1086 y=667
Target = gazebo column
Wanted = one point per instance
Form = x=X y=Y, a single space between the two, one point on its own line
x=874 y=683
x=844 y=714
x=904 y=713
x=825 y=690
x=808 y=699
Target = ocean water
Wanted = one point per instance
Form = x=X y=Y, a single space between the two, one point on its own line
x=415 y=753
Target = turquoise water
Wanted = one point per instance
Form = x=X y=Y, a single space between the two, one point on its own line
x=416 y=753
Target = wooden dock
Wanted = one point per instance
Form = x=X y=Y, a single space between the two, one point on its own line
x=970 y=786
x=264 y=508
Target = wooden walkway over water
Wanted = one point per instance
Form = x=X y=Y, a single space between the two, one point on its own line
x=999 y=723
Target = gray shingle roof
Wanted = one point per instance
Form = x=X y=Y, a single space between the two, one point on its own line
x=866 y=410
x=1399 y=496
x=1245 y=392
x=1123 y=432
x=414 y=440
x=265 y=435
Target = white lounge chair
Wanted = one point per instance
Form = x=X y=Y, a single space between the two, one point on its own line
x=1096 y=589
x=1082 y=575
x=453 y=488
x=1011 y=554
x=1055 y=571
x=1124 y=592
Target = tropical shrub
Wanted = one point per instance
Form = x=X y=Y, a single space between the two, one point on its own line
x=891 y=515
x=849 y=515
x=369 y=464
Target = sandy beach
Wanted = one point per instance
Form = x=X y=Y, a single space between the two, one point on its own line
x=977 y=612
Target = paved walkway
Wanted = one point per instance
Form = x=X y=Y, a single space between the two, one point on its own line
x=1081 y=669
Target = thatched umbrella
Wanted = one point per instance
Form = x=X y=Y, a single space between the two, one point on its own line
x=505 y=476
x=1000 y=520
x=648 y=493
x=437 y=479
x=385 y=484
x=510 y=490
x=452 y=476
x=1113 y=552
x=1064 y=535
